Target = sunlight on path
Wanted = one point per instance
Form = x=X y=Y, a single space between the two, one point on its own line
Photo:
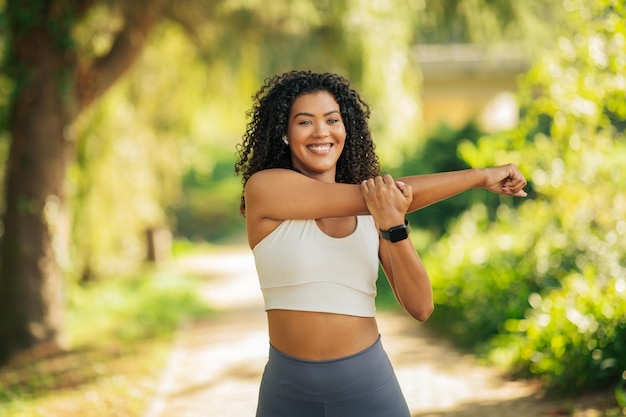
x=437 y=380
x=231 y=279
x=215 y=366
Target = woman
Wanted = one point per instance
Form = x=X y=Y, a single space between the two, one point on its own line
x=319 y=219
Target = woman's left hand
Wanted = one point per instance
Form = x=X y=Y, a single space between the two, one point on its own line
x=387 y=200
x=505 y=179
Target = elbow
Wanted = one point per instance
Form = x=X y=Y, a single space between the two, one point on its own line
x=421 y=312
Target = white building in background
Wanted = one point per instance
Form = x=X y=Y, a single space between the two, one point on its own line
x=464 y=82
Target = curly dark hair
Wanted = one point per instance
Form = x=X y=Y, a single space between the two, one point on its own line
x=262 y=147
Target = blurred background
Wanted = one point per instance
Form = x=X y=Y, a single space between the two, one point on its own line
x=118 y=130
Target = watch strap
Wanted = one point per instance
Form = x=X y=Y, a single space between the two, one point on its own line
x=396 y=233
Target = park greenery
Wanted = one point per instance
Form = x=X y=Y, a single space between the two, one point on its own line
x=121 y=334
x=541 y=287
x=536 y=285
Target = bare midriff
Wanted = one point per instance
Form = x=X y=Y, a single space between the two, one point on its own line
x=320 y=336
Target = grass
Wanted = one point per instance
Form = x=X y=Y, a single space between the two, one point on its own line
x=119 y=332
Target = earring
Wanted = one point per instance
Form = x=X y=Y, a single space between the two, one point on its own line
x=285 y=139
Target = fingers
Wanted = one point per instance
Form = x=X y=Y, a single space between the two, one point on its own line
x=406 y=190
x=515 y=182
x=514 y=189
x=506 y=179
x=387 y=200
x=386 y=188
x=382 y=182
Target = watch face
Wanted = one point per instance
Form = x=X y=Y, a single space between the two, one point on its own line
x=398 y=233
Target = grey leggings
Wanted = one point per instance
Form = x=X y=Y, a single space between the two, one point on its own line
x=359 y=385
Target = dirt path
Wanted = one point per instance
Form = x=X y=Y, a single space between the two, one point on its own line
x=215 y=366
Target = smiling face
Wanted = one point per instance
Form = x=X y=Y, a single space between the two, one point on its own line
x=316 y=135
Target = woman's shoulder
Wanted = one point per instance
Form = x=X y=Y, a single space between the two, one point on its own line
x=276 y=178
x=270 y=174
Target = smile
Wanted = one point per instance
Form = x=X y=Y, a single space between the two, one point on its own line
x=321 y=147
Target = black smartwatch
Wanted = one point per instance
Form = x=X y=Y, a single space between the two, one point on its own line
x=396 y=233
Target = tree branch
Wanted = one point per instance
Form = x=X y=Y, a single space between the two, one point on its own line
x=95 y=78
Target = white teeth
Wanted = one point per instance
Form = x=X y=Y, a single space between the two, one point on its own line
x=324 y=147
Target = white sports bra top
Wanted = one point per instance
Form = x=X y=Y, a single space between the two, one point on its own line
x=302 y=268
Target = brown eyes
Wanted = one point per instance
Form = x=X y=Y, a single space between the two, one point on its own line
x=308 y=122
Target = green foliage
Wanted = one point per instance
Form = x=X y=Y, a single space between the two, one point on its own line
x=575 y=337
x=554 y=293
x=210 y=207
x=132 y=151
x=5 y=81
x=26 y=14
x=119 y=334
x=385 y=299
x=135 y=308
x=438 y=154
x=487 y=21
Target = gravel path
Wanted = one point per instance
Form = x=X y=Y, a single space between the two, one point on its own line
x=215 y=366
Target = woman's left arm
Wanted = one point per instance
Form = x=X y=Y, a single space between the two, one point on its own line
x=407 y=277
x=388 y=202
x=432 y=188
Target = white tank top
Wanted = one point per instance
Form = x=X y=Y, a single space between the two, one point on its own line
x=302 y=268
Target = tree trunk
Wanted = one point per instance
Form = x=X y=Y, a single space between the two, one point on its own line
x=31 y=284
x=52 y=89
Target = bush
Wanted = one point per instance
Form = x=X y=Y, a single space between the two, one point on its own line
x=575 y=337
x=544 y=286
